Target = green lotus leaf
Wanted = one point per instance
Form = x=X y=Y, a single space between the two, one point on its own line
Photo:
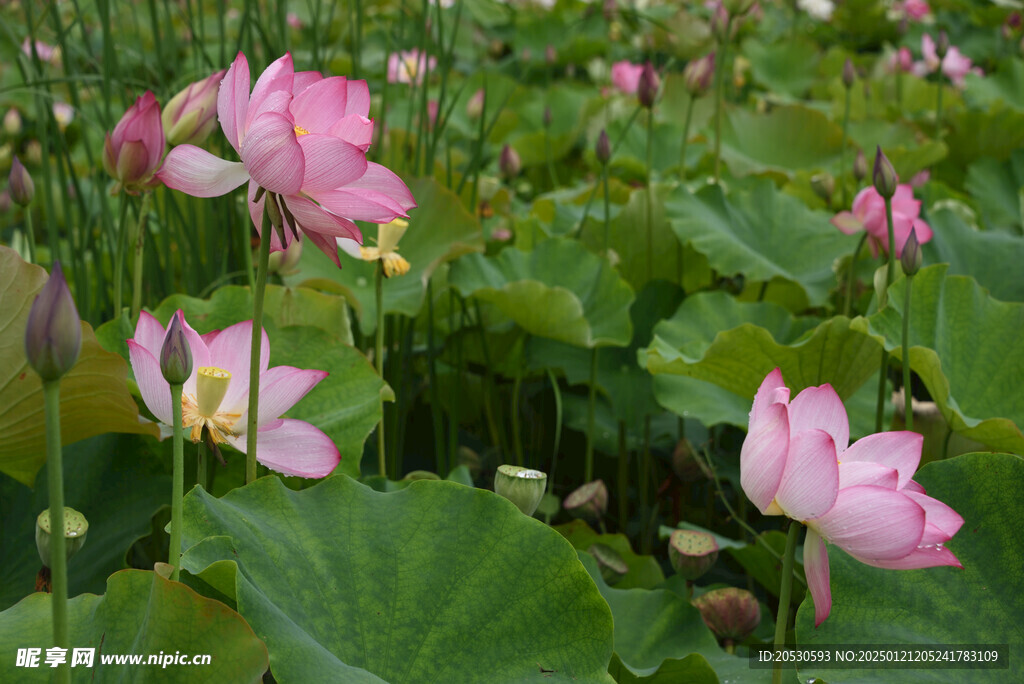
x=997 y=187
x=979 y=604
x=644 y=571
x=436 y=582
x=991 y=257
x=781 y=142
x=787 y=67
x=94 y=396
x=559 y=291
x=141 y=614
x=1005 y=85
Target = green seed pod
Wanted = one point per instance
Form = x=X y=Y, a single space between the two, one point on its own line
x=730 y=613
x=613 y=568
x=522 y=486
x=588 y=501
x=692 y=553
x=75 y=529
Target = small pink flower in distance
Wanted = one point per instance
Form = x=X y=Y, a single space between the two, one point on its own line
x=797 y=461
x=915 y=10
x=901 y=60
x=869 y=214
x=626 y=76
x=955 y=66
x=46 y=52
x=409 y=66
x=292 y=19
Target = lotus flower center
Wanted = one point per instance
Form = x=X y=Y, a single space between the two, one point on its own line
x=203 y=409
x=299 y=130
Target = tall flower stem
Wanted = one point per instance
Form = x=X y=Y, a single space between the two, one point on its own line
x=851 y=276
x=882 y=301
x=720 y=96
x=30 y=235
x=842 y=150
x=588 y=463
x=58 y=552
x=201 y=464
x=891 y=266
x=177 y=483
x=140 y=237
x=785 y=593
x=907 y=399
x=880 y=401
x=938 y=110
x=378 y=357
x=257 y=342
x=686 y=138
x=118 y=266
x=649 y=213
x=623 y=478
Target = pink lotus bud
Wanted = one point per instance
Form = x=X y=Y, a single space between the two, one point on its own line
x=12 y=122
x=603 y=148
x=698 y=74
x=849 y=74
x=292 y=19
x=176 y=354
x=589 y=501
x=431 y=114
x=63 y=114
x=475 y=105
x=732 y=614
x=21 y=187
x=692 y=553
x=132 y=153
x=885 y=177
x=191 y=115
x=647 y=89
x=53 y=335
x=509 y=163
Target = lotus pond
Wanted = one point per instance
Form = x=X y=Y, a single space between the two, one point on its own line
x=478 y=341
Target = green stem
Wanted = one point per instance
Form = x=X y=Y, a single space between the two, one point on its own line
x=891 y=269
x=177 y=483
x=435 y=399
x=644 y=476
x=30 y=235
x=848 y=303
x=907 y=407
x=201 y=466
x=588 y=467
x=140 y=235
x=938 y=111
x=379 y=360
x=257 y=342
x=785 y=592
x=118 y=266
x=720 y=96
x=686 y=139
x=623 y=478
x=880 y=402
x=842 y=150
x=517 y=438
x=58 y=552
x=649 y=213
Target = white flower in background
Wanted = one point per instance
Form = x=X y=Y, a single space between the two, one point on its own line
x=819 y=9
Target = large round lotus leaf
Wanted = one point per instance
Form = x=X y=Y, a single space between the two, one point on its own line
x=115 y=481
x=975 y=133
x=762 y=234
x=787 y=67
x=966 y=348
x=996 y=187
x=94 y=396
x=559 y=290
x=644 y=571
x=980 y=604
x=436 y=582
x=1005 y=85
x=901 y=143
x=141 y=614
x=440 y=230
x=785 y=140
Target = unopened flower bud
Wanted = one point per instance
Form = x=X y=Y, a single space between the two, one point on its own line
x=522 y=486
x=132 y=152
x=823 y=185
x=12 y=122
x=191 y=115
x=603 y=148
x=910 y=257
x=698 y=74
x=53 y=335
x=589 y=501
x=881 y=283
x=613 y=568
x=286 y=262
x=475 y=105
x=885 y=177
x=860 y=166
x=732 y=614
x=692 y=553
x=75 y=529
x=849 y=74
x=647 y=90
x=942 y=45
x=509 y=163
x=175 y=354
x=22 y=188
x=550 y=55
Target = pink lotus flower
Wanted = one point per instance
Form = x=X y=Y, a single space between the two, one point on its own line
x=796 y=462
x=216 y=395
x=409 y=66
x=901 y=60
x=869 y=214
x=133 y=151
x=915 y=10
x=626 y=76
x=302 y=138
x=191 y=115
x=954 y=65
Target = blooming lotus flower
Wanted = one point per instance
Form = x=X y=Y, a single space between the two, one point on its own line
x=409 y=66
x=190 y=116
x=796 y=461
x=133 y=151
x=216 y=395
x=301 y=138
x=626 y=76
x=954 y=65
x=869 y=214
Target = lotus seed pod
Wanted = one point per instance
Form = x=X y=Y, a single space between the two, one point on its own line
x=730 y=613
x=589 y=501
x=613 y=568
x=692 y=553
x=522 y=486
x=75 y=529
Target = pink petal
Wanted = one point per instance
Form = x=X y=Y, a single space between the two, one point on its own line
x=276 y=77
x=912 y=487
x=873 y=522
x=327 y=245
x=817 y=572
x=354 y=128
x=763 y=456
x=304 y=79
x=149 y=334
x=320 y=105
x=773 y=390
x=811 y=478
x=233 y=101
x=900 y=450
x=847 y=223
x=330 y=162
x=359 y=204
x=313 y=219
x=925 y=557
x=358 y=100
x=853 y=473
x=923 y=231
x=230 y=351
x=942 y=522
x=381 y=182
x=196 y=172
x=133 y=161
x=293 y=447
x=281 y=387
x=821 y=408
x=272 y=155
x=154 y=389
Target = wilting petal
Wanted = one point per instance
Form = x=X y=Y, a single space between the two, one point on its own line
x=763 y=456
x=810 y=480
x=359 y=204
x=293 y=447
x=925 y=557
x=873 y=522
x=330 y=162
x=900 y=450
x=272 y=155
x=847 y=222
x=196 y=172
x=230 y=350
x=233 y=101
x=853 y=473
x=154 y=389
x=820 y=408
x=817 y=572
x=320 y=105
x=281 y=387
x=327 y=245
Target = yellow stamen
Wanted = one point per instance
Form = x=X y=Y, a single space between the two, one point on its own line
x=299 y=130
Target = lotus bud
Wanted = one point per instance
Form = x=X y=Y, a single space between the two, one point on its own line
x=687 y=465
x=475 y=105
x=22 y=188
x=942 y=45
x=547 y=117
x=719 y=22
x=509 y=163
x=849 y=74
x=603 y=148
x=881 y=283
x=823 y=185
x=522 y=486
x=34 y=152
x=191 y=115
x=132 y=152
x=175 y=354
x=737 y=7
x=286 y=262
x=910 y=257
x=732 y=614
x=608 y=8
x=589 y=501
x=699 y=74
x=613 y=568
x=885 y=177
x=550 y=54
x=12 y=122
x=53 y=335
x=75 y=529
x=860 y=166
x=692 y=553
x=647 y=90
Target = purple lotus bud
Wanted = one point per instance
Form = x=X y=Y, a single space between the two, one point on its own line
x=613 y=568
x=53 y=335
x=175 y=354
x=849 y=74
x=589 y=501
x=647 y=90
x=910 y=257
x=699 y=74
x=885 y=177
x=732 y=614
x=191 y=115
x=603 y=148
x=75 y=529
x=608 y=8
x=522 y=486
x=692 y=553
x=22 y=188
x=860 y=166
x=509 y=163
x=550 y=54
